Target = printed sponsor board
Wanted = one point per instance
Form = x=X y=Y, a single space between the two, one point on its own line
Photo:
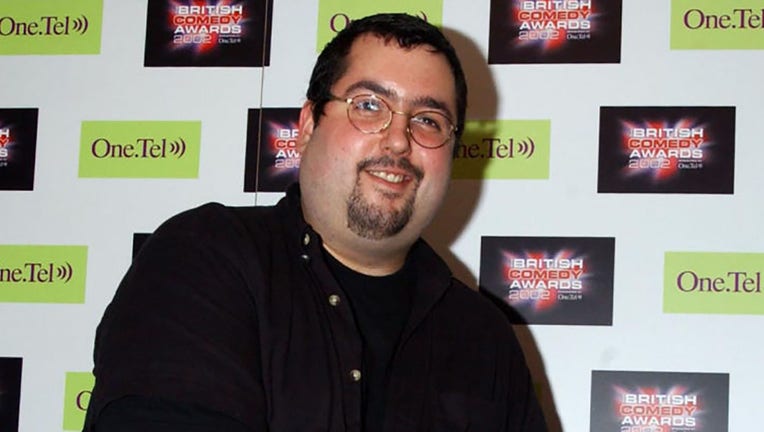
x=140 y=149
x=272 y=161
x=43 y=274
x=209 y=33
x=503 y=149
x=18 y=145
x=555 y=31
x=335 y=15
x=717 y=25
x=10 y=393
x=667 y=150
x=713 y=282
x=551 y=280
x=659 y=402
x=77 y=392
x=50 y=27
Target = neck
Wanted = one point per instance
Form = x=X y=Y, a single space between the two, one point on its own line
x=368 y=262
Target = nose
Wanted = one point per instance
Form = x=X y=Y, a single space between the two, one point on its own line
x=397 y=138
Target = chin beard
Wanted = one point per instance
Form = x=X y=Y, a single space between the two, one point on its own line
x=373 y=222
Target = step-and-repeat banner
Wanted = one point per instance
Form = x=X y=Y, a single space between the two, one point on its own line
x=607 y=193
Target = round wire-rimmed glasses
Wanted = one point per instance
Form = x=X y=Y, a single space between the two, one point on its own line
x=371 y=114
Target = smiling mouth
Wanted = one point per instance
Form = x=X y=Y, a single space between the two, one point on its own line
x=388 y=176
x=381 y=168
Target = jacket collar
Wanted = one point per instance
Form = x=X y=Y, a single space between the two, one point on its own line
x=433 y=275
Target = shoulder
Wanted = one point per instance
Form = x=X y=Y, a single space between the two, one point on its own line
x=210 y=218
x=216 y=225
x=459 y=308
x=477 y=305
x=475 y=316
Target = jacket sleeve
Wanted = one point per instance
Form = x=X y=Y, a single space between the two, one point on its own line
x=182 y=325
x=524 y=412
x=148 y=414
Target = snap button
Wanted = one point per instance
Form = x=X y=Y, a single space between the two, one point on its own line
x=355 y=375
x=334 y=299
x=306 y=239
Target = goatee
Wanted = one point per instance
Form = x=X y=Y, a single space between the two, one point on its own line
x=371 y=221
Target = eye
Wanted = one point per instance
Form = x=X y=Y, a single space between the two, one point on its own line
x=368 y=105
x=431 y=121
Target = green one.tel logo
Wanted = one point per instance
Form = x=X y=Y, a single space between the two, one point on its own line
x=711 y=282
x=140 y=149
x=717 y=25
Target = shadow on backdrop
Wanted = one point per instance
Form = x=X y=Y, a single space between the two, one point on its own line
x=461 y=202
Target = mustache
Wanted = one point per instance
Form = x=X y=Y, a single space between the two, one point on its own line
x=386 y=161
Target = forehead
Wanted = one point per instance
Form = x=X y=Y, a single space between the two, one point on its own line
x=408 y=73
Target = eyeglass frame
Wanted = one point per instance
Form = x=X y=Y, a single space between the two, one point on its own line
x=408 y=115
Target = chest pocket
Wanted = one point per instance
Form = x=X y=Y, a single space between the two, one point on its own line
x=457 y=412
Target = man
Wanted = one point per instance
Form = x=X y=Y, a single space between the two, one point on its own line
x=326 y=312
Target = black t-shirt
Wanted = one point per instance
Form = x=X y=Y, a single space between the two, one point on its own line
x=381 y=306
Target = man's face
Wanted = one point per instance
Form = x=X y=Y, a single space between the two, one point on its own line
x=383 y=185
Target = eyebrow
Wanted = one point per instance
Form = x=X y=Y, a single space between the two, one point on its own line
x=390 y=94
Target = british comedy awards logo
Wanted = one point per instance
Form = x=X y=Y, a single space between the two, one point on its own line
x=550 y=280
x=208 y=33
x=659 y=402
x=272 y=159
x=667 y=150
x=555 y=31
x=18 y=144
x=713 y=282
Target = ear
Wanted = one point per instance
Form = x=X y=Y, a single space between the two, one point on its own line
x=305 y=126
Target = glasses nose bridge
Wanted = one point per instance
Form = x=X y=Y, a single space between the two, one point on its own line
x=405 y=115
x=389 y=121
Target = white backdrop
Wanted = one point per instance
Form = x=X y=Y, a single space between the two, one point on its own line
x=103 y=214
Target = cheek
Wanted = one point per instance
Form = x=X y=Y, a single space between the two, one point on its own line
x=438 y=168
x=437 y=178
x=328 y=162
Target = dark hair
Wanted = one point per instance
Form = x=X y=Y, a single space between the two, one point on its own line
x=408 y=31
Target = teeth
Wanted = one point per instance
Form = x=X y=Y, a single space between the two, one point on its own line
x=392 y=178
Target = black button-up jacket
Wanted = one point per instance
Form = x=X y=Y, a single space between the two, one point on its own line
x=234 y=309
